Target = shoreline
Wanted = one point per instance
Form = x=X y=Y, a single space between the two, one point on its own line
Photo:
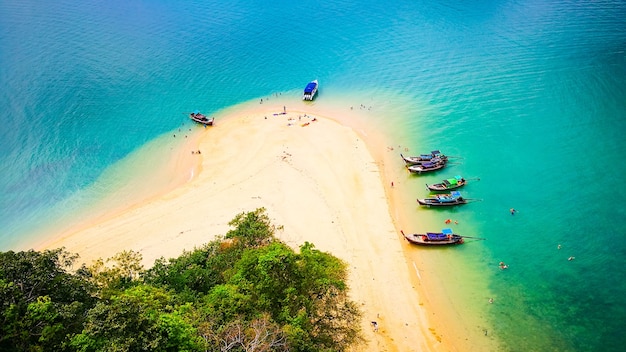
x=152 y=177
x=281 y=152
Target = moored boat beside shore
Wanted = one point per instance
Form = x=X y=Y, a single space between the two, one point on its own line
x=449 y=199
x=310 y=90
x=448 y=184
x=433 y=165
x=424 y=158
x=445 y=237
x=201 y=118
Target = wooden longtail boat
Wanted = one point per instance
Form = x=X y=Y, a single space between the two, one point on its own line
x=434 y=164
x=424 y=158
x=448 y=184
x=445 y=237
x=200 y=118
x=453 y=198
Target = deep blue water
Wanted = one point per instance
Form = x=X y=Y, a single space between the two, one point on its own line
x=531 y=94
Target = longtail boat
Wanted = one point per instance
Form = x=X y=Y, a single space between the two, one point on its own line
x=434 y=164
x=445 y=237
x=424 y=158
x=200 y=118
x=448 y=184
x=449 y=199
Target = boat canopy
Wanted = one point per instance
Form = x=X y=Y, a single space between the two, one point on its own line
x=426 y=156
x=436 y=236
x=435 y=152
x=445 y=198
x=310 y=87
x=451 y=182
x=455 y=194
x=428 y=164
x=196 y=112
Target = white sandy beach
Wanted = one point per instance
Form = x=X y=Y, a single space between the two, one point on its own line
x=316 y=178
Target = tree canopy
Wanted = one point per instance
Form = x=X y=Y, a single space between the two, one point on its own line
x=245 y=291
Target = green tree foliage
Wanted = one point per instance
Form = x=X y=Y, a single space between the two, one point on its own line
x=142 y=318
x=123 y=272
x=252 y=229
x=305 y=293
x=194 y=272
x=245 y=291
x=199 y=270
x=40 y=302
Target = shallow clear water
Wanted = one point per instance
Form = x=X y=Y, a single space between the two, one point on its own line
x=530 y=94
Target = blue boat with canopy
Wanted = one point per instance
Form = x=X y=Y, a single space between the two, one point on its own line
x=445 y=237
x=432 y=165
x=310 y=90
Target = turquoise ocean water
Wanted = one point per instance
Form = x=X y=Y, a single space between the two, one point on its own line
x=531 y=94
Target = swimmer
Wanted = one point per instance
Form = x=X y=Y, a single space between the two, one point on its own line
x=571 y=258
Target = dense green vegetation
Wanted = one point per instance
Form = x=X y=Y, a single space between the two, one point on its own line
x=245 y=291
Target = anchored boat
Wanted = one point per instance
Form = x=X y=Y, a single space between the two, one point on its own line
x=200 y=118
x=448 y=184
x=310 y=90
x=434 y=164
x=453 y=198
x=445 y=237
x=424 y=158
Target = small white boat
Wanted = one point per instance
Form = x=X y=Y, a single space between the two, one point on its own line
x=310 y=90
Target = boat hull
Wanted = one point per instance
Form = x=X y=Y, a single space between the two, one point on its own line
x=418 y=169
x=436 y=203
x=438 y=187
x=202 y=119
x=419 y=160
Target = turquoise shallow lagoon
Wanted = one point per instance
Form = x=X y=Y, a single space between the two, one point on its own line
x=530 y=94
